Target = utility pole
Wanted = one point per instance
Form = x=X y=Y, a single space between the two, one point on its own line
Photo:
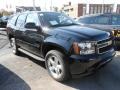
x=51 y=5
x=45 y=6
x=34 y=5
x=87 y=7
x=103 y=6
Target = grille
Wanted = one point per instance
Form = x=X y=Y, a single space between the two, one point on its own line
x=104 y=46
x=104 y=49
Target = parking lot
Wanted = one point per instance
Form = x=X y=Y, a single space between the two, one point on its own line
x=24 y=73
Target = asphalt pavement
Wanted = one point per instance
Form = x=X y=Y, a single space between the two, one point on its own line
x=3 y=38
x=24 y=73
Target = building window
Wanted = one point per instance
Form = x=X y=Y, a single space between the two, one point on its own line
x=91 y=10
x=105 y=9
x=71 y=9
x=99 y=9
x=84 y=10
x=95 y=9
x=109 y=10
x=118 y=9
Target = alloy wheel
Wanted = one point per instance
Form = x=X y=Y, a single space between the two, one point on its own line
x=55 y=66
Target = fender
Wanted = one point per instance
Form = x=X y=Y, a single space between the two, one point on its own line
x=64 y=44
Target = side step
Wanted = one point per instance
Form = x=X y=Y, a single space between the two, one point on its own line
x=30 y=54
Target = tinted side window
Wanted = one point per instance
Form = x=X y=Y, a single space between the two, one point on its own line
x=13 y=20
x=87 y=20
x=104 y=20
x=116 y=20
x=32 y=18
x=21 y=20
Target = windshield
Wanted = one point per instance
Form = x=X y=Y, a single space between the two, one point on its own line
x=116 y=20
x=56 y=19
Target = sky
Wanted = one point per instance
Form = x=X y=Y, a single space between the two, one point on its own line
x=47 y=3
x=42 y=3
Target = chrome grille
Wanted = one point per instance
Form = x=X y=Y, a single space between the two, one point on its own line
x=104 y=46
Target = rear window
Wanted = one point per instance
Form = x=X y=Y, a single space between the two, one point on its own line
x=13 y=20
x=116 y=20
x=21 y=20
x=87 y=20
x=103 y=20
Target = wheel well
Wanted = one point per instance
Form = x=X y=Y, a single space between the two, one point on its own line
x=10 y=36
x=47 y=48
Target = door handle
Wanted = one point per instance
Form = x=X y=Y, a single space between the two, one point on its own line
x=35 y=30
x=24 y=33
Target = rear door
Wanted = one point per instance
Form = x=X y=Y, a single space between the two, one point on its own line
x=11 y=26
x=20 y=30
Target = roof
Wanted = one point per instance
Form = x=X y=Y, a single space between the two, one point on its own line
x=35 y=12
x=41 y=12
x=92 y=15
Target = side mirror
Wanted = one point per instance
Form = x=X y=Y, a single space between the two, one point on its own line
x=30 y=25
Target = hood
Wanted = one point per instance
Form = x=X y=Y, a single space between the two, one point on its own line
x=82 y=33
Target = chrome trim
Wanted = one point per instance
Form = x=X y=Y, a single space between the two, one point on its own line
x=107 y=42
x=30 y=54
x=105 y=51
x=98 y=48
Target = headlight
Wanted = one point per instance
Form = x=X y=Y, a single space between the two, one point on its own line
x=84 y=48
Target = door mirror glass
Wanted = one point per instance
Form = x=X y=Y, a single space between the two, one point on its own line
x=30 y=25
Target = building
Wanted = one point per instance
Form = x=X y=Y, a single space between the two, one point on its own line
x=73 y=10
x=118 y=8
x=77 y=10
x=26 y=8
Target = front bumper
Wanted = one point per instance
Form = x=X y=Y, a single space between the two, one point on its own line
x=88 y=63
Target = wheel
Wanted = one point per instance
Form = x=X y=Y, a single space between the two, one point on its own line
x=57 y=66
x=14 y=46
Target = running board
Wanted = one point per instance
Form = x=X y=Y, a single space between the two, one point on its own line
x=30 y=54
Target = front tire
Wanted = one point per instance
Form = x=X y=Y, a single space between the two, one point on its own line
x=14 y=47
x=57 y=65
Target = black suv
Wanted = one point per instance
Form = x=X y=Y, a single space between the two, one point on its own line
x=65 y=47
x=107 y=22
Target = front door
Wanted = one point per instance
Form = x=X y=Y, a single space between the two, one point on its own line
x=34 y=37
